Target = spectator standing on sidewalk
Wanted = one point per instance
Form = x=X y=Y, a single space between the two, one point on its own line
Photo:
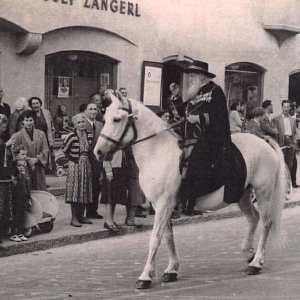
x=114 y=189
x=77 y=148
x=15 y=123
x=21 y=198
x=267 y=124
x=287 y=132
x=253 y=126
x=5 y=110
x=234 y=119
x=97 y=99
x=6 y=214
x=35 y=142
x=94 y=126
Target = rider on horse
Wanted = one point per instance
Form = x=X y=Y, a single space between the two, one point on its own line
x=207 y=147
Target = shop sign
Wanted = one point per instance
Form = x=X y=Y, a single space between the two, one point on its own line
x=115 y=6
x=152 y=86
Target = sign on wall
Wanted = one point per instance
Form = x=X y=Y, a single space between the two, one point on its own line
x=63 y=87
x=152 y=84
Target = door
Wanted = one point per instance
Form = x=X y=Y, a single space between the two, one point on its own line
x=82 y=73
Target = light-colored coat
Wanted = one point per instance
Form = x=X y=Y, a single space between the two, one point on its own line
x=38 y=148
x=50 y=127
x=279 y=124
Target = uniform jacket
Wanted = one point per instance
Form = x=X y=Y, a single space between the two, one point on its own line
x=279 y=124
x=213 y=114
x=268 y=127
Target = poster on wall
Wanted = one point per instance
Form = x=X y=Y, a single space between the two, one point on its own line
x=104 y=79
x=63 y=87
x=152 y=86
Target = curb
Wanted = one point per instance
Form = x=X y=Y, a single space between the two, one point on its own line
x=102 y=234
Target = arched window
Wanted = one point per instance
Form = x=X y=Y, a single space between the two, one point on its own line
x=243 y=83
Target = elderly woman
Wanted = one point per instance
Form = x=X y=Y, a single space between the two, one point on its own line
x=35 y=142
x=78 y=149
x=43 y=120
x=15 y=123
x=5 y=179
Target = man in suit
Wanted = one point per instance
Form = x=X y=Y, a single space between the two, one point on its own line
x=94 y=126
x=287 y=131
x=266 y=124
x=5 y=110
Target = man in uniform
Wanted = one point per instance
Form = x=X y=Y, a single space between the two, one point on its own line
x=207 y=142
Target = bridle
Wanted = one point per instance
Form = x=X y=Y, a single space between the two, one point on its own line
x=130 y=122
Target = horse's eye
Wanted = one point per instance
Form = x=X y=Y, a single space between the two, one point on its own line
x=117 y=120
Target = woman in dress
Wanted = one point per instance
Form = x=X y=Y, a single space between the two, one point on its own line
x=78 y=149
x=5 y=180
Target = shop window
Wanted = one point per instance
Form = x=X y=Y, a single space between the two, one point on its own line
x=243 y=82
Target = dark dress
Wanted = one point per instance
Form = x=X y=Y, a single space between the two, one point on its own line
x=6 y=214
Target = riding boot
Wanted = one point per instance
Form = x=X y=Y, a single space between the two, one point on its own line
x=74 y=211
x=81 y=218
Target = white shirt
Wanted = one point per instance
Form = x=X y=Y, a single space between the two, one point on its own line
x=287 y=126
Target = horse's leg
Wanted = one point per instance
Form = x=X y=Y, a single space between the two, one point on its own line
x=163 y=210
x=172 y=269
x=264 y=207
x=252 y=216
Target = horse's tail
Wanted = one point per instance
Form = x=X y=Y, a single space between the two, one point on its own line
x=278 y=198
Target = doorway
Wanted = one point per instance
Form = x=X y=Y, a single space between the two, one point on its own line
x=72 y=77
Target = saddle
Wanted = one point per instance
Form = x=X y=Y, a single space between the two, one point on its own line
x=204 y=175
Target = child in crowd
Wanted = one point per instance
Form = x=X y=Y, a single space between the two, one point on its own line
x=21 y=197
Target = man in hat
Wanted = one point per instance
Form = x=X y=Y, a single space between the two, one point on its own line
x=207 y=142
x=266 y=124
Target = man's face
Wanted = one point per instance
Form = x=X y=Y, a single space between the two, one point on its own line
x=21 y=164
x=195 y=78
x=91 y=111
x=35 y=105
x=175 y=91
x=123 y=93
x=270 y=109
x=97 y=100
x=286 y=107
x=1 y=93
x=28 y=122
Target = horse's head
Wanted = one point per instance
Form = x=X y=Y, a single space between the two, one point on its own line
x=119 y=128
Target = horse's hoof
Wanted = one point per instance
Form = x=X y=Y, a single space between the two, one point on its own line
x=169 y=277
x=252 y=270
x=143 y=284
x=250 y=259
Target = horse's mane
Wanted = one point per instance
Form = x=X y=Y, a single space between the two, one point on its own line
x=151 y=119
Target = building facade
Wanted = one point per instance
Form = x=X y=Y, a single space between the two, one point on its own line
x=63 y=51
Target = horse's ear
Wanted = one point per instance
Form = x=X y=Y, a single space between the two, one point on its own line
x=119 y=96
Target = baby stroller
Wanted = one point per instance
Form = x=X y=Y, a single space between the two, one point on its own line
x=61 y=163
x=42 y=213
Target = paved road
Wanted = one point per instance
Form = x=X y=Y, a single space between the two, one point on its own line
x=212 y=267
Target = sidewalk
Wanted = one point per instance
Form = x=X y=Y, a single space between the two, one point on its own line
x=64 y=234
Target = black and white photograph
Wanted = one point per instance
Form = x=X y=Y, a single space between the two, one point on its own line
x=149 y=149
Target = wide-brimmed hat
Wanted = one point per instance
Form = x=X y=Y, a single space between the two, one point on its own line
x=199 y=67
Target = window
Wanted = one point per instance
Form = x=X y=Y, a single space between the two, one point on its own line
x=243 y=82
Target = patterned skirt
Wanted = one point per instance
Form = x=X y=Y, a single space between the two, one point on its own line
x=79 y=182
x=6 y=214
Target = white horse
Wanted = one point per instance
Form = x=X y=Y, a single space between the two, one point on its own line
x=158 y=160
